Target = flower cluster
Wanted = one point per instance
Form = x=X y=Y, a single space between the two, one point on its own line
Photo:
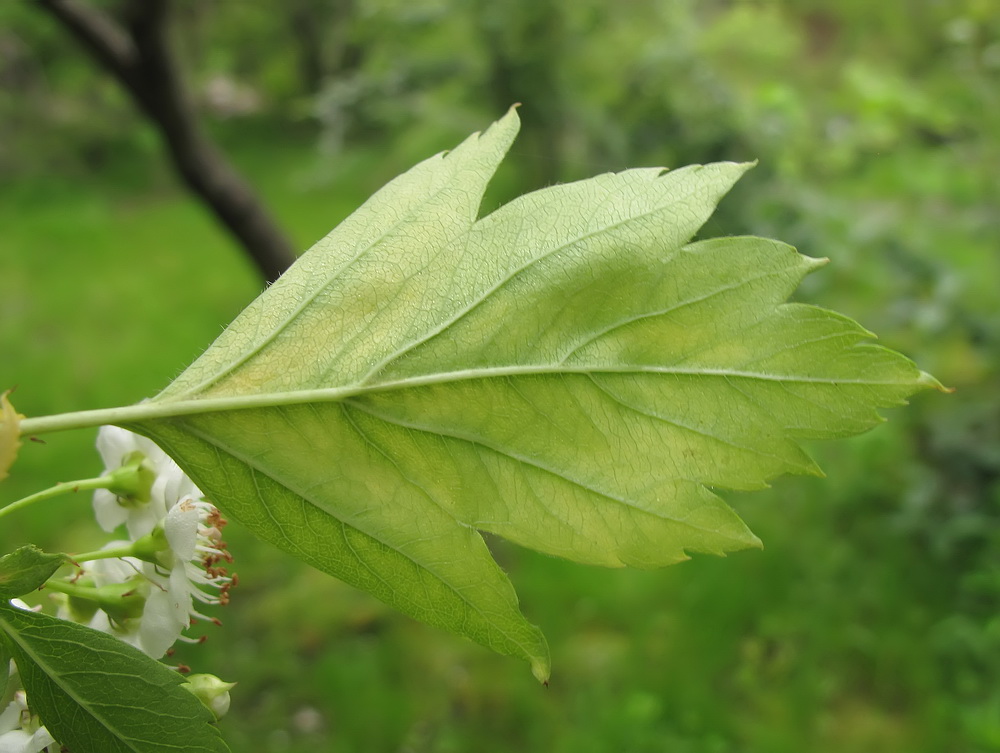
x=177 y=555
x=146 y=590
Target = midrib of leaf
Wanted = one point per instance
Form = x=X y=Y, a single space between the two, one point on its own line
x=516 y=271
x=175 y=408
x=54 y=676
x=304 y=495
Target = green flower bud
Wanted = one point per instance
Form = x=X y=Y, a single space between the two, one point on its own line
x=211 y=691
x=80 y=609
x=149 y=547
x=123 y=601
x=133 y=481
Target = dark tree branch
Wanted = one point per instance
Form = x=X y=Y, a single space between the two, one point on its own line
x=98 y=33
x=136 y=52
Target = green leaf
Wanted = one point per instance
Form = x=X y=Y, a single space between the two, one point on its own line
x=25 y=569
x=96 y=694
x=569 y=372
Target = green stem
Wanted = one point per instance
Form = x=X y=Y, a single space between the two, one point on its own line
x=71 y=589
x=86 y=419
x=67 y=487
x=126 y=550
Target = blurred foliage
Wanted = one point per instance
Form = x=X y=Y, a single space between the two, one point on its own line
x=872 y=620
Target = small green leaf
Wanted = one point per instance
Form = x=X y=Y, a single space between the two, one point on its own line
x=96 y=694
x=25 y=569
x=570 y=372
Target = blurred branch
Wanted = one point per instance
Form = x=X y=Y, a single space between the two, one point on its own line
x=134 y=49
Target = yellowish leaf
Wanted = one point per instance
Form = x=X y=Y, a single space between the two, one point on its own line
x=9 y=434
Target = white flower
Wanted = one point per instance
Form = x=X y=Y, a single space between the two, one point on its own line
x=19 y=731
x=192 y=563
x=183 y=535
x=117 y=446
x=187 y=571
x=112 y=572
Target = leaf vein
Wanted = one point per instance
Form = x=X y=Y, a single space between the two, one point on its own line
x=515 y=272
x=532 y=462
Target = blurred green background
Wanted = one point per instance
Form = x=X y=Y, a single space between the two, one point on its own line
x=870 y=620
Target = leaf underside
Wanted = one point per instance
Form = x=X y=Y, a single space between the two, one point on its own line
x=570 y=372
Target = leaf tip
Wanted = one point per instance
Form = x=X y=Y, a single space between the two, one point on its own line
x=749 y=540
x=742 y=168
x=510 y=122
x=929 y=382
x=813 y=469
x=541 y=668
x=813 y=263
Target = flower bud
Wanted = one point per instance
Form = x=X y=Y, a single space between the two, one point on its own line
x=123 y=601
x=133 y=481
x=211 y=691
x=79 y=609
x=152 y=546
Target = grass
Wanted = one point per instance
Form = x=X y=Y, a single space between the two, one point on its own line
x=837 y=637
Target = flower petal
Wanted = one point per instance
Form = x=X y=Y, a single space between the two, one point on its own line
x=109 y=513
x=143 y=519
x=114 y=444
x=108 y=571
x=10 y=718
x=40 y=740
x=15 y=741
x=181 y=529
x=166 y=615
